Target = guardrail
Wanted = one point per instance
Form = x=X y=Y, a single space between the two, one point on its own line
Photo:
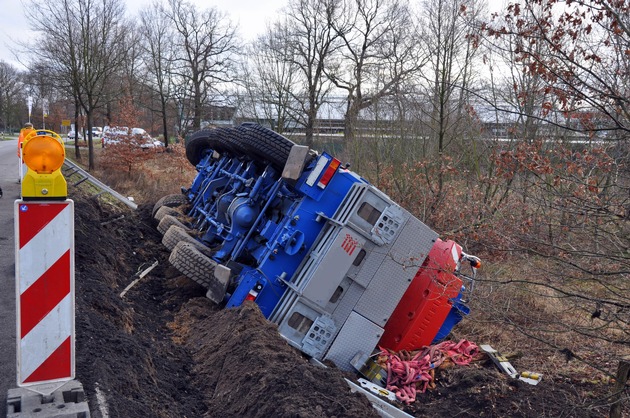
x=75 y=169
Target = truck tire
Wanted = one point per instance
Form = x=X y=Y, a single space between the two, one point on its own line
x=170 y=200
x=266 y=144
x=231 y=141
x=218 y=140
x=166 y=210
x=169 y=220
x=198 y=267
x=176 y=234
x=196 y=145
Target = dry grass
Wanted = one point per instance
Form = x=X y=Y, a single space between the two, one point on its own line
x=151 y=175
x=514 y=311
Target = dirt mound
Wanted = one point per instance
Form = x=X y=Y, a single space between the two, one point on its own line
x=245 y=368
x=164 y=350
x=124 y=350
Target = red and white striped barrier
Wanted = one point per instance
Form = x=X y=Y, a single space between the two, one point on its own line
x=44 y=241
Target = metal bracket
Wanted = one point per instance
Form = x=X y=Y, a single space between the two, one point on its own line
x=282 y=278
x=295 y=162
x=500 y=361
x=504 y=365
x=322 y=215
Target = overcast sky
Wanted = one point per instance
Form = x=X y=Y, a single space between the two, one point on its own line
x=251 y=16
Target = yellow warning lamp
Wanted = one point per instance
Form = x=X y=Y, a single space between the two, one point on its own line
x=43 y=153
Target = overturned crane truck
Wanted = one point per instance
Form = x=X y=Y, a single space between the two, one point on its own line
x=328 y=257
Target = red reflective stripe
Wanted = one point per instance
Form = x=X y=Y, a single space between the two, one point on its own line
x=46 y=293
x=35 y=218
x=56 y=366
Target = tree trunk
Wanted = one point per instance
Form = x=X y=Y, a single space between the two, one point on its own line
x=352 y=117
x=310 y=123
x=89 y=141
x=623 y=373
x=309 y=132
x=77 y=151
x=164 y=124
x=197 y=101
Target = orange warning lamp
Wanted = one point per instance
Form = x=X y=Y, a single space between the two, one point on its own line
x=43 y=154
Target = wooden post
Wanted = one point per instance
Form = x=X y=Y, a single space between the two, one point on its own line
x=623 y=373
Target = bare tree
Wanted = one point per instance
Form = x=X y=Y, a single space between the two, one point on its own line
x=82 y=45
x=38 y=82
x=206 y=44
x=579 y=53
x=132 y=68
x=380 y=51
x=569 y=205
x=59 y=45
x=448 y=79
x=270 y=78
x=10 y=99
x=103 y=52
x=158 y=53
x=312 y=39
x=516 y=93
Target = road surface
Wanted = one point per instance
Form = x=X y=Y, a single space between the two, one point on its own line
x=11 y=192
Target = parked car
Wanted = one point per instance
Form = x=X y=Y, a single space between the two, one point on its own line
x=129 y=136
x=72 y=134
x=97 y=132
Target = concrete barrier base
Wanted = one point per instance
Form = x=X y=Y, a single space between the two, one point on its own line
x=66 y=402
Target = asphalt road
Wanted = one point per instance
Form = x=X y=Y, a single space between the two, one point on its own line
x=11 y=192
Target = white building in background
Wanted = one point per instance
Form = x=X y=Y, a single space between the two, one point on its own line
x=502 y=121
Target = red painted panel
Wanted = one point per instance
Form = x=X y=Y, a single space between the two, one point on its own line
x=425 y=305
x=57 y=366
x=34 y=217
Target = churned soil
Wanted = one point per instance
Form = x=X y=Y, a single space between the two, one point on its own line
x=164 y=350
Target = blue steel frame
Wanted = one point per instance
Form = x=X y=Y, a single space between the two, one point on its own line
x=264 y=225
x=250 y=216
